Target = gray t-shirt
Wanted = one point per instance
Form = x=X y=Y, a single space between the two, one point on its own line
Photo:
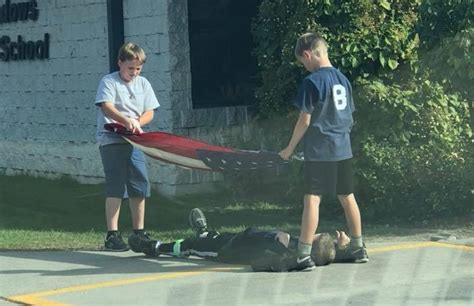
x=132 y=99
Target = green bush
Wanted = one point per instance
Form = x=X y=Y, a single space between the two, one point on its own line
x=441 y=19
x=411 y=144
x=413 y=152
x=364 y=39
x=446 y=51
x=412 y=141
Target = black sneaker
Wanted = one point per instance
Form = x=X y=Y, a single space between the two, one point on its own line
x=141 y=243
x=358 y=254
x=138 y=242
x=198 y=221
x=301 y=264
x=151 y=248
x=115 y=243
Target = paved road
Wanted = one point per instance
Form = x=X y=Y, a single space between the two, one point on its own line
x=416 y=273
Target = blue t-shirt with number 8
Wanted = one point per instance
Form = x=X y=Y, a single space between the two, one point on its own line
x=326 y=94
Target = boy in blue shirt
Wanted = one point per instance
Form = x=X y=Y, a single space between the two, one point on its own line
x=324 y=123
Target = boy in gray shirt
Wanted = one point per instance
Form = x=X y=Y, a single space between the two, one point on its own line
x=124 y=97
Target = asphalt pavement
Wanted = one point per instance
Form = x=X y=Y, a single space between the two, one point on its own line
x=409 y=273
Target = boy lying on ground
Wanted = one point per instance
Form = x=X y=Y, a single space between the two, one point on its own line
x=264 y=250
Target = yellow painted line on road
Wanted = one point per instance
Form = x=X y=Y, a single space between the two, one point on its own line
x=407 y=246
x=33 y=300
x=37 y=298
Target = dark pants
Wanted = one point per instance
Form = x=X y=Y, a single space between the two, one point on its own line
x=240 y=248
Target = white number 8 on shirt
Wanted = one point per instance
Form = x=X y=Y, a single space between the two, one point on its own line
x=339 y=96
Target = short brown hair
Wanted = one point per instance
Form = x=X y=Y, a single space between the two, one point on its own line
x=323 y=251
x=130 y=51
x=310 y=41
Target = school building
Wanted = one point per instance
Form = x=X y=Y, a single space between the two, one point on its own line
x=54 y=52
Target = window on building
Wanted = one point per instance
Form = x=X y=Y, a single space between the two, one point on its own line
x=223 y=67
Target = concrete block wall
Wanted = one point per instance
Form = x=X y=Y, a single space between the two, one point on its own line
x=47 y=113
x=47 y=116
x=145 y=23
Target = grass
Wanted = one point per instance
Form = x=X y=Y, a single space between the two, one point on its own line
x=38 y=213
x=61 y=214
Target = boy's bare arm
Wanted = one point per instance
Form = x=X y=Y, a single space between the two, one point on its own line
x=110 y=111
x=146 y=117
x=301 y=126
x=342 y=240
x=283 y=238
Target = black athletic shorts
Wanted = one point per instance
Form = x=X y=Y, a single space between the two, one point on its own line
x=328 y=177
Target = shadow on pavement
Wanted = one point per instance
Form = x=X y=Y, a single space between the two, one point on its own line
x=92 y=263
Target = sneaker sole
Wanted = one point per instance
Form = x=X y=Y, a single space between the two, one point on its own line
x=195 y=216
x=116 y=250
x=137 y=250
x=363 y=260
x=308 y=269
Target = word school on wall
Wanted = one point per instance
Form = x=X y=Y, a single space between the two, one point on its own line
x=21 y=49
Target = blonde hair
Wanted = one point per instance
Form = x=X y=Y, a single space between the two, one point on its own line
x=312 y=42
x=130 y=51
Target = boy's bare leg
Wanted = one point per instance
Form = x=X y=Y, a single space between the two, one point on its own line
x=352 y=213
x=310 y=219
x=112 y=212
x=137 y=209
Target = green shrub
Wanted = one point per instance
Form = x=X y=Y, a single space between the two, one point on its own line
x=446 y=51
x=441 y=19
x=412 y=141
x=363 y=38
x=413 y=147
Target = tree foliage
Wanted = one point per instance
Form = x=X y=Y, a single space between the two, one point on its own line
x=447 y=52
x=364 y=39
x=411 y=65
x=414 y=150
x=441 y=19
